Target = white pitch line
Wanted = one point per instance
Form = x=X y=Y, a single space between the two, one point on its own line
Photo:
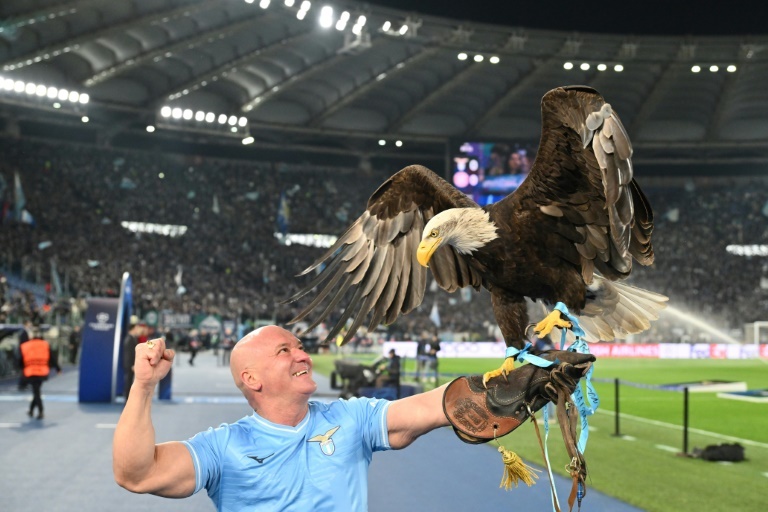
x=629 y=438
x=667 y=448
x=106 y=425
x=765 y=474
x=10 y=425
x=694 y=430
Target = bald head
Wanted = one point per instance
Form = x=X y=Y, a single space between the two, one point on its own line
x=249 y=348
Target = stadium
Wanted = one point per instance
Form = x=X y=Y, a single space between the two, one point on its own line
x=211 y=150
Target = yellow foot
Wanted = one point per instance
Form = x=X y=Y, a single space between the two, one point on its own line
x=507 y=366
x=552 y=320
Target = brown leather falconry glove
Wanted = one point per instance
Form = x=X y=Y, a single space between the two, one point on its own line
x=479 y=414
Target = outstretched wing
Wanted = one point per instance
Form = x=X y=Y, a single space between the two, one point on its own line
x=582 y=179
x=375 y=259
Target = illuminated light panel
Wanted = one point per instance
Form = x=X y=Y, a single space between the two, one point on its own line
x=326 y=16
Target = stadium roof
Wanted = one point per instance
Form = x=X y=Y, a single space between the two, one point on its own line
x=422 y=79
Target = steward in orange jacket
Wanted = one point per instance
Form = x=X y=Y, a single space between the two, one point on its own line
x=36 y=360
x=36 y=357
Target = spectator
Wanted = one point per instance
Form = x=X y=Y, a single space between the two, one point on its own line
x=75 y=337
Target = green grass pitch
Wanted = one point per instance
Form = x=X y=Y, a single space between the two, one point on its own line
x=642 y=466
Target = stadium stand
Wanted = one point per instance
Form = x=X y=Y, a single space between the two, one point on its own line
x=234 y=266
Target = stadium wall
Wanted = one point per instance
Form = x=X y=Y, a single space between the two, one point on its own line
x=450 y=349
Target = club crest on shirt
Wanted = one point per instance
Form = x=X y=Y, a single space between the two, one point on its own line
x=326 y=443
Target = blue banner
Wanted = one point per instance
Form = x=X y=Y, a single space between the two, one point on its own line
x=97 y=351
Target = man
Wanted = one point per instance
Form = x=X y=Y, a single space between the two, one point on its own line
x=291 y=454
x=422 y=354
x=390 y=375
x=433 y=347
x=74 y=343
x=37 y=361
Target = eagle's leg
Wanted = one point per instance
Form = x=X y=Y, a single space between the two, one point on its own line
x=512 y=316
x=552 y=320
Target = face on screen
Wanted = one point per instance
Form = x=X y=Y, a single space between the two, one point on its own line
x=488 y=172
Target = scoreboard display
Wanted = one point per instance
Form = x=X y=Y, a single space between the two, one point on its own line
x=488 y=172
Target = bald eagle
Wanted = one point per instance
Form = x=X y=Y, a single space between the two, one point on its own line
x=568 y=234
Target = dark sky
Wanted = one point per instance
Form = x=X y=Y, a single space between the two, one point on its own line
x=637 y=17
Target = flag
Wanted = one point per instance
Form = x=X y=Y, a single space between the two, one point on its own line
x=180 y=289
x=19 y=201
x=434 y=315
x=55 y=279
x=27 y=218
x=283 y=214
x=215 y=209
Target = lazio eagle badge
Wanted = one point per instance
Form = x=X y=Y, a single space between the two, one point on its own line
x=326 y=443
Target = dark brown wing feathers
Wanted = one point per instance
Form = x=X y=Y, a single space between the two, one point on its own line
x=374 y=259
x=583 y=179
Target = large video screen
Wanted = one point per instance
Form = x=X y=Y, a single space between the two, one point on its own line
x=488 y=172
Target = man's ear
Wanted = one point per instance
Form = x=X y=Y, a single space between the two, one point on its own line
x=250 y=380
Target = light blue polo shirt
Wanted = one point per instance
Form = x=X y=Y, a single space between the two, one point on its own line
x=321 y=464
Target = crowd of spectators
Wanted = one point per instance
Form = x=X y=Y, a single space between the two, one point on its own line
x=232 y=265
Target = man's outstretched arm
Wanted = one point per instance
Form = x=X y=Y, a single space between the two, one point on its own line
x=411 y=417
x=139 y=465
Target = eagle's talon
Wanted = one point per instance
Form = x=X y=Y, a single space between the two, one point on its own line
x=506 y=367
x=552 y=320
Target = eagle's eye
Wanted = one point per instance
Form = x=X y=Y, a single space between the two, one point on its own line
x=433 y=233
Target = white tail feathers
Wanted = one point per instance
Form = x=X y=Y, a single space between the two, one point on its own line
x=618 y=310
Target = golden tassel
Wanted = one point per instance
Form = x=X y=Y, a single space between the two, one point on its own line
x=515 y=470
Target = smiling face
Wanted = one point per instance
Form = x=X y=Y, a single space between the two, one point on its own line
x=271 y=362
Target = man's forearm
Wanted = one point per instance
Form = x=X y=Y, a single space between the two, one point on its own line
x=414 y=416
x=133 y=449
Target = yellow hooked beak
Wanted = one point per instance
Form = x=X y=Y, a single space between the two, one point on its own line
x=426 y=249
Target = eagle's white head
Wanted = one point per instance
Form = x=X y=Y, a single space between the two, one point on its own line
x=466 y=229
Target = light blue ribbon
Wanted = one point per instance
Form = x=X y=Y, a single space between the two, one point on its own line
x=525 y=355
x=586 y=407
